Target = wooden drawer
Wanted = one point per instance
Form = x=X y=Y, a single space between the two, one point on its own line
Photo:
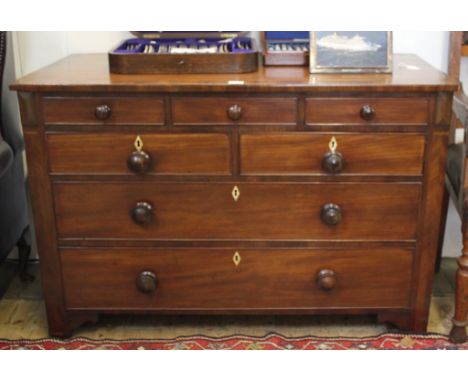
x=303 y=153
x=207 y=278
x=264 y=211
x=92 y=110
x=108 y=153
x=225 y=111
x=349 y=111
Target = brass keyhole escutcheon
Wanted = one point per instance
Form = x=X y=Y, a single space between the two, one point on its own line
x=139 y=162
x=333 y=161
x=138 y=144
x=236 y=259
x=333 y=145
x=235 y=193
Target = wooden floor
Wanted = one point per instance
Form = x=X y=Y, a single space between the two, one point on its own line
x=22 y=315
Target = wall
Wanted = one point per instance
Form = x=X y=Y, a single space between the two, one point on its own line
x=37 y=49
x=433 y=47
x=33 y=50
x=464 y=73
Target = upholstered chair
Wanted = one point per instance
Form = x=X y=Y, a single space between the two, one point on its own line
x=13 y=201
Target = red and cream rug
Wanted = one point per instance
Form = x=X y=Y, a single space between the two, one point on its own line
x=273 y=341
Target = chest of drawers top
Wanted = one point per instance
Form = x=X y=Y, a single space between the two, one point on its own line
x=90 y=73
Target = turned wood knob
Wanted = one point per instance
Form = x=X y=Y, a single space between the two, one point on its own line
x=102 y=112
x=142 y=213
x=146 y=282
x=235 y=112
x=333 y=162
x=367 y=112
x=326 y=279
x=331 y=214
x=139 y=162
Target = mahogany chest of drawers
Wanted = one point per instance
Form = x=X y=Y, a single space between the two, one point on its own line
x=273 y=192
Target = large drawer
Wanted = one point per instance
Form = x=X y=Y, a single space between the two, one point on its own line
x=109 y=153
x=208 y=278
x=372 y=110
x=227 y=110
x=359 y=154
x=266 y=211
x=104 y=110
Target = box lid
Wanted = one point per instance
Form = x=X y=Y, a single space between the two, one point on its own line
x=286 y=35
x=188 y=34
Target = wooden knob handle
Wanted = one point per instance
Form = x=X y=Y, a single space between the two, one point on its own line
x=146 y=282
x=367 y=112
x=139 y=162
x=235 y=112
x=326 y=279
x=331 y=214
x=102 y=112
x=333 y=162
x=142 y=213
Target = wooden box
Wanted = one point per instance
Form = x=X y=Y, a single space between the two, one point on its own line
x=184 y=52
x=285 y=48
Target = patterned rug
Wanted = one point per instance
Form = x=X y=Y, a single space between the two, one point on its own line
x=272 y=341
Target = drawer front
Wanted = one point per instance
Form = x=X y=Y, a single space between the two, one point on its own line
x=225 y=111
x=207 y=278
x=104 y=110
x=359 y=154
x=352 y=111
x=267 y=211
x=108 y=153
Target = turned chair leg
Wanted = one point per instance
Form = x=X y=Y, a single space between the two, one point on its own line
x=24 y=250
x=460 y=320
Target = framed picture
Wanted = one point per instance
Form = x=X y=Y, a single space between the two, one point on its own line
x=351 y=52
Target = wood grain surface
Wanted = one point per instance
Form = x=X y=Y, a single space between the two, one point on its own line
x=124 y=110
x=214 y=111
x=90 y=73
x=303 y=153
x=107 y=153
x=208 y=279
x=374 y=211
x=346 y=111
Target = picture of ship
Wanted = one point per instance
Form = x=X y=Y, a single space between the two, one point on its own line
x=357 y=43
x=351 y=50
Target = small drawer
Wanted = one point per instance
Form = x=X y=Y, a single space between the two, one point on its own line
x=226 y=111
x=224 y=279
x=114 y=153
x=230 y=211
x=358 y=111
x=104 y=110
x=321 y=154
